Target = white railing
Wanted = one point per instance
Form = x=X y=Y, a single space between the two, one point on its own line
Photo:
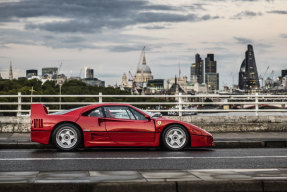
x=224 y=101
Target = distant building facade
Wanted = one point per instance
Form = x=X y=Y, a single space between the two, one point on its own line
x=89 y=73
x=211 y=75
x=248 y=76
x=10 y=71
x=143 y=73
x=284 y=73
x=212 y=81
x=284 y=82
x=196 y=70
x=60 y=79
x=156 y=85
x=124 y=80
x=49 y=71
x=94 y=82
x=31 y=73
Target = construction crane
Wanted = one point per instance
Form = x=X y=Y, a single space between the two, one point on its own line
x=272 y=74
x=60 y=65
x=132 y=79
x=141 y=56
x=262 y=77
x=80 y=73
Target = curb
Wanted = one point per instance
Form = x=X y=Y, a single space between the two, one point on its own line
x=184 y=186
x=217 y=145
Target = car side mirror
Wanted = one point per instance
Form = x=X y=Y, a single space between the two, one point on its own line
x=147 y=117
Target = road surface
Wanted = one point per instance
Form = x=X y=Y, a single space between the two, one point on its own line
x=141 y=159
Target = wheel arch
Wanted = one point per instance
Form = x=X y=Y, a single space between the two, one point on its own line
x=67 y=122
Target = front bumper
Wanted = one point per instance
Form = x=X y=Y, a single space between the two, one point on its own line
x=201 y=141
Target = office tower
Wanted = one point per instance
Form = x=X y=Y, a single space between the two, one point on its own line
x=211 y=75
x=196 y=70
x=248 y=76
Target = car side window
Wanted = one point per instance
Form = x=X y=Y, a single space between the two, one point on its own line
x=97 y=112
x=118 y=112
x=131 y=115
x=137 y=114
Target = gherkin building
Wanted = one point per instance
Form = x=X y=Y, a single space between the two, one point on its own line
x=248 y=76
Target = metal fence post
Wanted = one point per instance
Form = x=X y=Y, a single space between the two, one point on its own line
x=60 y=98
x=180 y=104
x=256 y=104
x=100 y=97
x=19 y=104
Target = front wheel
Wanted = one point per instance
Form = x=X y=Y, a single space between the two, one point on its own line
x=175 y=137
x=66 y=137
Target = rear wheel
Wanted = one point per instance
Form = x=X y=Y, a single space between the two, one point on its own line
x=66 y=137
x=175 y=137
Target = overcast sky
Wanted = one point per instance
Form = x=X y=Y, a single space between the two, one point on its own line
x=108 y=35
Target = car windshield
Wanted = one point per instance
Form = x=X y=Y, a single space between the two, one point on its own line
x=65 y=111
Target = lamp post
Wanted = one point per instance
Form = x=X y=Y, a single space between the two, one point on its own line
x=60 y=98
x=32 y=90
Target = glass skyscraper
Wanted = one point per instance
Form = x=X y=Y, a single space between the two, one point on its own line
x=211 y=75
x=196 y=70
x=248 y=76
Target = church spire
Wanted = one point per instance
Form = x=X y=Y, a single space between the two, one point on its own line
x=144 y=60
x=10 y=71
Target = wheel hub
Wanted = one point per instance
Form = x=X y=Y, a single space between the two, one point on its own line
x=66 y=137
x=175 y=138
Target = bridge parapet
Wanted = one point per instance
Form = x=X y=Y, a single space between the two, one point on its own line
x=209 y=123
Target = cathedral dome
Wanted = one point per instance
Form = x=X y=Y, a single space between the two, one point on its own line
x=143 y=69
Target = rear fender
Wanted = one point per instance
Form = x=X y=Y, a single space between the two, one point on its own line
x=38 y=113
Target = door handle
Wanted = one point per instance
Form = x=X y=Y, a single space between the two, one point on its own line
x=99 y=121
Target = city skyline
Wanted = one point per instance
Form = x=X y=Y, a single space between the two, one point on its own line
x=172 y=32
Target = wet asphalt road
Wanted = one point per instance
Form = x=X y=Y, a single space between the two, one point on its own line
x=141 y=159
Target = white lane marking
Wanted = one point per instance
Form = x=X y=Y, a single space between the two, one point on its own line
x=135 y=158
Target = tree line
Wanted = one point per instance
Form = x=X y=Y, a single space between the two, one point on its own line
x=71 y=87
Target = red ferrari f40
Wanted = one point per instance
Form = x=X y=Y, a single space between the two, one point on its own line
x=112 y=125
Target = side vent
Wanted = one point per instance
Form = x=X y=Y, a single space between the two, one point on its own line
x=38 y=123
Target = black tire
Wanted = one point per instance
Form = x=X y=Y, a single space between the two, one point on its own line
x=166 y=140
x=65 y=132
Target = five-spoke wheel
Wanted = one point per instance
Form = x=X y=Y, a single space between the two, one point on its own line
x=66 y=137
x=175 y=137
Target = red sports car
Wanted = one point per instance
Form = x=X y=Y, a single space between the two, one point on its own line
x=112 y=125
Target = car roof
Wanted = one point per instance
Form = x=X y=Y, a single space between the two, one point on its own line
x=109 y=104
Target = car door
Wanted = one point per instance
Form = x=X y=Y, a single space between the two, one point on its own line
x=125 y=124
x=93 y=125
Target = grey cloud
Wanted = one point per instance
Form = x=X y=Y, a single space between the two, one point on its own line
x=122 y=48
x=283 y=35
x=91 y=26
x=242 y=40
x=281 y=12
x=196 y=6
x=246 y=14
x=74 y=40
x=69 y=26
x=93 y=15
x=71 y=41
x=258 y=44
x=151 y=27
